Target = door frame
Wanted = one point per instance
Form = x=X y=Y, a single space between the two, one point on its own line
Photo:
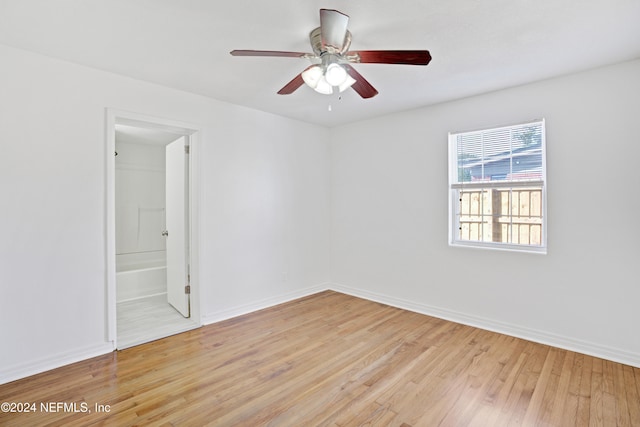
x=113 y=117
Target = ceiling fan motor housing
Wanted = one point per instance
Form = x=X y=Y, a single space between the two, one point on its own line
x=315 y=37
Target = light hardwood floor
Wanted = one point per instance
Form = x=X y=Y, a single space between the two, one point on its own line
x=334 y=360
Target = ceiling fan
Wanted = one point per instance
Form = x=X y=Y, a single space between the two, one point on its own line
x=331 y=59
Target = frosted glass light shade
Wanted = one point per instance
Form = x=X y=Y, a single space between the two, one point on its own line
x=312 y=76
x=348 y=82
x=335 y=74
x=323 y=87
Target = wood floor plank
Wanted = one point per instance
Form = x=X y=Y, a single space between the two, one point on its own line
x=331 y=359
x=572 y=406
x=595 y=404
x=622 y=406
x=632 y=395
x=534 y=411
x=584 y=393
x=524 y=385
x=550 y=400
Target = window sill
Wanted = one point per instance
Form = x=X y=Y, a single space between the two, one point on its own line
x=539 y=250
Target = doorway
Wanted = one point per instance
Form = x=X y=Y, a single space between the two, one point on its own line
x=152 y=288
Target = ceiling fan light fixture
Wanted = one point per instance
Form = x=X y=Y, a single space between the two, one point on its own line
x=324 y=80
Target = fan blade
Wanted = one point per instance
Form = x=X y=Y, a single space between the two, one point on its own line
x=268 y=53
x=362 y=86
x=333 y=26
x=410 y=57
x=292 y=86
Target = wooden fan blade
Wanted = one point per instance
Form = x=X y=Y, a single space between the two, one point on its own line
x=410 y=57
x=362 y=86
x=333 y=27
x=268 y=53
x=292 y=86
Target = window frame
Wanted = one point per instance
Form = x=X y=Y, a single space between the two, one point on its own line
x=454 y=186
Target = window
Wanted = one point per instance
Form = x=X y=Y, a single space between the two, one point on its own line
x=497 y=188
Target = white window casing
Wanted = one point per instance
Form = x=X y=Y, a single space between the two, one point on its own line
x=497 y=188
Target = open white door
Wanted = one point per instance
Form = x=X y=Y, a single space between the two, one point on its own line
x=177 y=225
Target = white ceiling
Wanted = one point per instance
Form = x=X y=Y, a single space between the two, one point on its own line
x=143 y=135
x=477 y=46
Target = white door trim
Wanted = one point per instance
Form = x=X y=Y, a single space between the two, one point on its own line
x=113 y=117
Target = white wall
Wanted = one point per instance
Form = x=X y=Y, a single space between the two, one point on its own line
x=263 y=206
x=389 y=216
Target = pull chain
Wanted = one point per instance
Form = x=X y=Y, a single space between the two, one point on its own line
x=337 y=98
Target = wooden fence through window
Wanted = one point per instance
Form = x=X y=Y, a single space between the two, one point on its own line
x=502 y=215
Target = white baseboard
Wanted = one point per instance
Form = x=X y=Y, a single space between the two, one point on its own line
x=18 y=371
x=261 y=304
x=542 y=337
